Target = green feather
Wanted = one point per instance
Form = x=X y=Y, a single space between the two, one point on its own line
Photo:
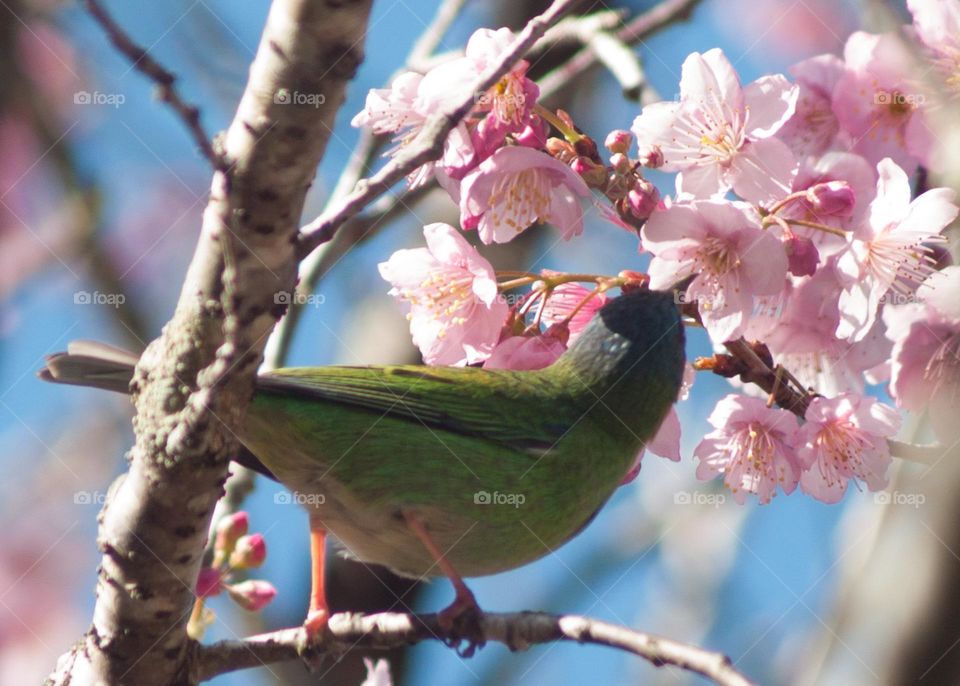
x=552 y=444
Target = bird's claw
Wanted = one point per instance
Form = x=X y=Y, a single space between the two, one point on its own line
x=314 y=628
x=461 y=621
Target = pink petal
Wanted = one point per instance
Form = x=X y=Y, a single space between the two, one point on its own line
x=763 y=170
x=770 y=101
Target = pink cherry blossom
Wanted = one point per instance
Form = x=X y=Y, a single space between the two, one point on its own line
x=887 y=252
x=722 y=245
x=937 y=24
x=403 y=109
x=720 y=135
x=510 y=100
x=564 y=301
x=845 y=438
x=878 y=103
x=517 y=187
x=526 y=352
x=926 y=352
x=508 y=104
x=840 y=187
x=813 y=128
x=801 y=336
x=751 y=447
x=455 y=310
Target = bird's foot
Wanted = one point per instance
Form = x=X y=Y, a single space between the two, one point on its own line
x=461 y=621
x=312 y=650
x=315 y=624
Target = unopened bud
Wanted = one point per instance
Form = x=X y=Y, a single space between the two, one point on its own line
x=618 y=141
x=802 y=255
x=252 y=595
x=209 y=582
x=561 y=149
x=833 y=198
x=249 y=552
x=595 y=175
x=621 y=163
x=642 y=199
x=229 y=530
x=651 y=156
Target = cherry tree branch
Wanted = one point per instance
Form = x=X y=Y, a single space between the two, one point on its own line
x=651 y=21
x=141 y=60
x=192 y=385
x=753 y=368
x=517 y=631
x=428 y=145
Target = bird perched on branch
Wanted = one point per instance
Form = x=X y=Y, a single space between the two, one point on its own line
x=460 y=471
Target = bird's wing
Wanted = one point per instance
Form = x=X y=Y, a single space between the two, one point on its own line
x=521 y=409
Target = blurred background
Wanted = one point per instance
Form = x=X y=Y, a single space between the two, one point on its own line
x=101 y=193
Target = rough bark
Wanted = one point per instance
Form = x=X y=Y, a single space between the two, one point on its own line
x=193 y=384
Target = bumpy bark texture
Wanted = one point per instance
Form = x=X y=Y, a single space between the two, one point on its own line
x=193 y=384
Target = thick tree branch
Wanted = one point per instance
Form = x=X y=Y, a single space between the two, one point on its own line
x=428 y=145
x=518 y=631
x=193 y=384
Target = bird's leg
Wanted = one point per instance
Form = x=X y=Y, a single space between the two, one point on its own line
x=464 y=604
x=319 y=611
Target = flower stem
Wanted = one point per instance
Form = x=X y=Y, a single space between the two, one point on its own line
x=557 y=123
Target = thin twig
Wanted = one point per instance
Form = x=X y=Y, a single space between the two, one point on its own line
x=759 y=373
x=654 y=19
x=165 y=80
x=518 y=631
x=428 y=145
x=430 y=39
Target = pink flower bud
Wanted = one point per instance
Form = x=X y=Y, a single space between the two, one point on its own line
x=802 y=255
x=229 y=529
x=651 y=157
x=250 y=551
x=252 y=595
x=209 y=583
x=618 y=141
x=642 y=199
x=834 y=198
x=561 y=149
x=620 y=163
x=593 y=174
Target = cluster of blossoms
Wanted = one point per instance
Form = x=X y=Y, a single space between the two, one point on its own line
x=234 y=550
x=792 y=221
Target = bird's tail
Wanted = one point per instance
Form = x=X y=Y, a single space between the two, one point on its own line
x=89 y=363
x=98 y=365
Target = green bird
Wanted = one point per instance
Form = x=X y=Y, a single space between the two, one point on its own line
x=461 y=471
